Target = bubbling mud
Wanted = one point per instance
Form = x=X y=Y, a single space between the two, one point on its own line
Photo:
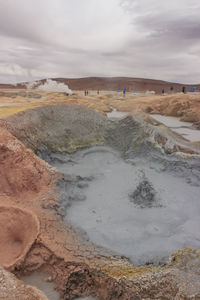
x=143 y=206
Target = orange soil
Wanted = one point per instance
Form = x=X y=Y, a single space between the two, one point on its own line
x=19 y=230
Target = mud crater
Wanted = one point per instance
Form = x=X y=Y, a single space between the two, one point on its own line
x=103 y=193
x=140 y=205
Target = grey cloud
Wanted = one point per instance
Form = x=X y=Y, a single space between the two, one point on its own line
x=16 y=22
x=167 y=26
x=161 y=44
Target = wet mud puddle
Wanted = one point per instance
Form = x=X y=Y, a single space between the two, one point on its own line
x=143 y=207
x=183 y=128
x=39 y=280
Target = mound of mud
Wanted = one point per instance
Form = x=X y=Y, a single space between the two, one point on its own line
x=19 y=230
x=144 y=195
x=62 y=128
x=66 y=128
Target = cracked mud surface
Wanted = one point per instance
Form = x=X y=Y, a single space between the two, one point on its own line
x=78 y=267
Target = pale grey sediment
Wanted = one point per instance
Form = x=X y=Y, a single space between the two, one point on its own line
x=144 y=206
x=186 y=129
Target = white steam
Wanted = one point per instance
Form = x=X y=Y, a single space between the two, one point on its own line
x=54 y=86
x=31 y=85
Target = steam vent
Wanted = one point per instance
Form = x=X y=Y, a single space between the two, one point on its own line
x=95 y=207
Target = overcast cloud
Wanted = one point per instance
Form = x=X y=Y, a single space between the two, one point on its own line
x=77 y=38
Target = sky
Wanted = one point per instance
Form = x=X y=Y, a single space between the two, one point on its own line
x=79 y=38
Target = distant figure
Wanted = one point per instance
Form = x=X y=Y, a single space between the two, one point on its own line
x=98 y=92
x=124 y=92
x=171 y=88
x=163 y=91
x=85 y=93
x=183 y=89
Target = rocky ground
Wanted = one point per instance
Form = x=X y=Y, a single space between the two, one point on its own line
x=30 y=185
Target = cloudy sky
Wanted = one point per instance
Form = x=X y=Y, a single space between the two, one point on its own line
x=78 y=38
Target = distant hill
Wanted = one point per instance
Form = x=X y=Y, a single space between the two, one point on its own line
x=7 y=86
x=115 y=83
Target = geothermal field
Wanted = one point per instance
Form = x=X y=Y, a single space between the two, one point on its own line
x=99 y=194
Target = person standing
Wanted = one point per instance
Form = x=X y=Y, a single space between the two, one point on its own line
x=183 y=89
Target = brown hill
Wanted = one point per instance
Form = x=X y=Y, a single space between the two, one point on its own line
x=7 y=86
x=115 y=83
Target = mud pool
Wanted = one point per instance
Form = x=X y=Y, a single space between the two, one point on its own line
x=144 y=206
x=183 y=128
x=40 y=280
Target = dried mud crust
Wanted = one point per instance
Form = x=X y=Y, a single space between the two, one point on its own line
x=19 y=230
x=76 y=266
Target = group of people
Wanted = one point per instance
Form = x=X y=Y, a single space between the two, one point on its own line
x=87 y=93
x=124 y=91
x=172 y=88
